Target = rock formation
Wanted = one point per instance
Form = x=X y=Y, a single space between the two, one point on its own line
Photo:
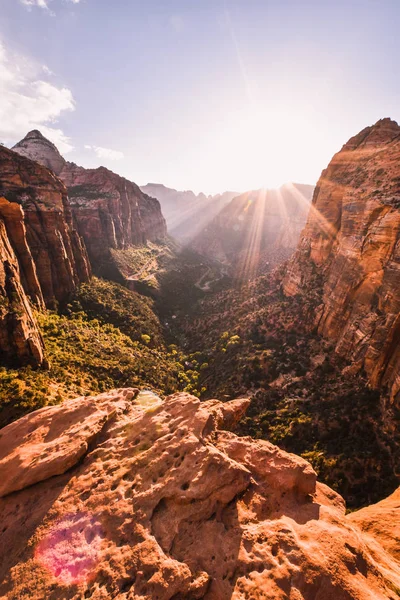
x=110 y=211
x=351 y=246
x=20 y=340
x=125 y=496
x=186 y=213
x=257 y=230
x=381 y=521
x=37 y=217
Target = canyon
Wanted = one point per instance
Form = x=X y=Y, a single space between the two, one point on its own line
x=156 y=489
x=257 y=230
x=186 y=213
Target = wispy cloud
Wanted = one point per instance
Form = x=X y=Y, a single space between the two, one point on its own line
x=39 y=3
x=46 y=70
x=28 y=102
x=105 y=152
x=43 y=4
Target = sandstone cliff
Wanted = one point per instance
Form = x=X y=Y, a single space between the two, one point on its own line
x=20 y=340
x=125 y=496
x=39 y=224
x=351 y=247
x=110 y=211
x=257 y=230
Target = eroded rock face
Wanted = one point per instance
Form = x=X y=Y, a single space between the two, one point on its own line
x=160 y=501
x=37 y=216
x=110 y=211
x=20 y=340
x=351 y=244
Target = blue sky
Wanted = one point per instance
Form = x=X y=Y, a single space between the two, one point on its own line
x=207 y=95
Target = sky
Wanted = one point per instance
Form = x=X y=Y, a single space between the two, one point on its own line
x=209 y=95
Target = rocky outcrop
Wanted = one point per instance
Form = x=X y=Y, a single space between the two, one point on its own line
x=20 y=340
x=186 y=213
x=381 y=521
x=133 y=497
x=38 y=148
x=110 y=211
x=350 y=248
x=257 y=230
x=37 y=216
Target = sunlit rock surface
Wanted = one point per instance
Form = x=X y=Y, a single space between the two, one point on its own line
x=37 y=217
x=382 y=521
x=20 y=340
x=158 y=500
x=351 y=247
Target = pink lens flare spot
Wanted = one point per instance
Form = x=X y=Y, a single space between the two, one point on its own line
x=70 y=550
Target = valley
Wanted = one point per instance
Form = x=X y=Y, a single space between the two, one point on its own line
x=294 y=331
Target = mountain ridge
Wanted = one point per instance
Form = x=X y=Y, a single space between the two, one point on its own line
x=110 y=211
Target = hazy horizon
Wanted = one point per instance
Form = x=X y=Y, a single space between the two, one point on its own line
x=207 y=98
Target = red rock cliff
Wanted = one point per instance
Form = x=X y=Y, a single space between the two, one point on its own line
x=37 y=216
x=110 y=211
x=351 y=246
x=20 y=340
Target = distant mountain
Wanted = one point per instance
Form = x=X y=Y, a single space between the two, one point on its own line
x=187 y=214
x=257 y=230
x=110 y=211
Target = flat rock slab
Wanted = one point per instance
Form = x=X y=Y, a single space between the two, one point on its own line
x=50 y=440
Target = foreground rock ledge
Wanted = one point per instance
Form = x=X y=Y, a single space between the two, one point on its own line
x=123 y=496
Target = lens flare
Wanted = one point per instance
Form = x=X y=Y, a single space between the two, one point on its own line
x=70 y=550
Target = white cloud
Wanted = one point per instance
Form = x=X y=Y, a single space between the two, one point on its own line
x=27 y=102
x=40 y=3
x=105 y=152
x=43 y=4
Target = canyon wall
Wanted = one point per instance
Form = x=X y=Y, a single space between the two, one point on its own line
x=110 y=211
x=42 y=256
x=39 y=223
x=20 y=340
x=350 y=247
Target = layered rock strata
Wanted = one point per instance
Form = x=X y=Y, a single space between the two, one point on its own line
x=350 y=248
x=111 y=212
x=37 y=216
x=20 y=340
